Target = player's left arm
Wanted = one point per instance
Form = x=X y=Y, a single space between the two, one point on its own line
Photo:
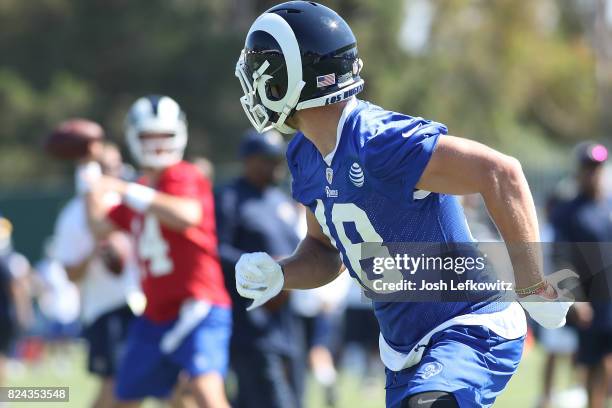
x=460 y=166
x=174 y=212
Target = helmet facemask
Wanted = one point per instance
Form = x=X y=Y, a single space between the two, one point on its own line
x=157 y=152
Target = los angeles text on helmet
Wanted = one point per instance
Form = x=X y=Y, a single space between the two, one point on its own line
x=347 y=94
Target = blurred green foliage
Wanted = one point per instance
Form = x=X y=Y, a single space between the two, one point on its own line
x=516 y=74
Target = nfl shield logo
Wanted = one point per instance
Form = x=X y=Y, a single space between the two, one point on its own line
x=329 y=175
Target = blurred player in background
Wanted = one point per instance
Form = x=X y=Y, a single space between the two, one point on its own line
x=321 y=310
x=104 y=270
x=361 y=331
x=560 y=343
x=59 y=303
x=21 y=273
x=15 y=304
x=7 y=319
x=186 y=324
x=580 y=222
x=253 y=214
x=370 y=175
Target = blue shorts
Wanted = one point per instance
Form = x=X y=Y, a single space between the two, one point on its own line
x=471 y=362
x=146 y=371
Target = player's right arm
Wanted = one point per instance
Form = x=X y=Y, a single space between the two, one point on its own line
x=314 y=263
x=97 y=214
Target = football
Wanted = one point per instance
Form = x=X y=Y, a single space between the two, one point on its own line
x=70 y=140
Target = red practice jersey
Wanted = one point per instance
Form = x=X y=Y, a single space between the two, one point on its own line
x=176 y=265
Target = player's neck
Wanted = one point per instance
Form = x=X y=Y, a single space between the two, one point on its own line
x=320 y=125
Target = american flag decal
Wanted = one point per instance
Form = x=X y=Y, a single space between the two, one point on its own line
x=326 y=80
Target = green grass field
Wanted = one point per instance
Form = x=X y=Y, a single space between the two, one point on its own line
x=521 y=392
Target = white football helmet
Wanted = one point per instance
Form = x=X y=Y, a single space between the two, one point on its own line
x=156 y=114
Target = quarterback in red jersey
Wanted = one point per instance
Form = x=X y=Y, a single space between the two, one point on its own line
x=177 y=263
x=186 y=324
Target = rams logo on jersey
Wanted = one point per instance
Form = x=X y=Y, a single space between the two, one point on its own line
x=329 y=175
x=430 y=369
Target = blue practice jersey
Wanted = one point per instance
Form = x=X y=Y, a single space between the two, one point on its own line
x=365 y=191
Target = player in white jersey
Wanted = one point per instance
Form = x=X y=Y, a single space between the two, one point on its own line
x=105 y=271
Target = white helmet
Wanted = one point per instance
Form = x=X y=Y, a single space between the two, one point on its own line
x=156 y=114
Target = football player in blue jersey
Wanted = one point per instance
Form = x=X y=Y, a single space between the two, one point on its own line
x=371 y=175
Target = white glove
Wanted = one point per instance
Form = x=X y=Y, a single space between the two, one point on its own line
x=550 y=313
x=258 y=277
